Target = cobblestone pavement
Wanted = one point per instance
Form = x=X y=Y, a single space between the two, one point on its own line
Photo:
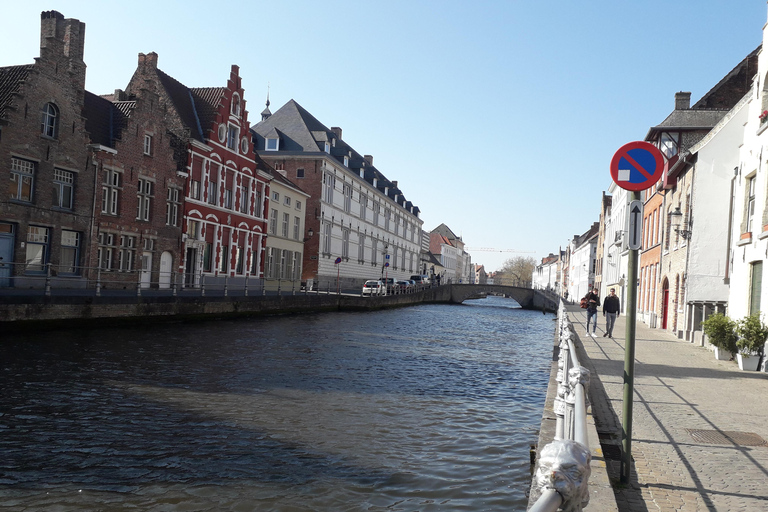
x=679 y=387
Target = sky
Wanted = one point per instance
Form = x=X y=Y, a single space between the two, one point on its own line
x=497 y=118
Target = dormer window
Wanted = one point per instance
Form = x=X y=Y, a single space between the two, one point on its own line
x=273 y=144
x=235 y=105
x=327 y=147
x=346 y=161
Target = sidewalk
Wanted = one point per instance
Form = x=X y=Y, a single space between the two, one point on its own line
x=679 y=387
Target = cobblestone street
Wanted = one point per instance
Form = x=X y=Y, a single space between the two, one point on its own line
x=698 y=424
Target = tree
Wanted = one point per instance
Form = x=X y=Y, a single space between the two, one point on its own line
x=517 y=271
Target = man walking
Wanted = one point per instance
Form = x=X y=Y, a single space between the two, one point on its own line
x=611 y=308
x=593 y=302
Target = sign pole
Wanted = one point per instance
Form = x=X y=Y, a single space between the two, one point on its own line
x=629 y=360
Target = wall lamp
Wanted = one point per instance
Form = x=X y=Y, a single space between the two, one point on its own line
x=310 y=232
x=677 y=218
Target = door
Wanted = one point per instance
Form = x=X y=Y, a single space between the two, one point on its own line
x=146 y=269
x=6 y=253
x=166 y=261
x=190 y=269
x=664 y=304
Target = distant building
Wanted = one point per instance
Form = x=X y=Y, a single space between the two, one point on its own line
x=480 y=276
x=545 y=276
x=582 y=263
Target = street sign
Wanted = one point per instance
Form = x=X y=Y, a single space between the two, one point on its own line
x=338 y=260
x=637 y=166
x=635 y=224
x=386 y=257
x=386 y=264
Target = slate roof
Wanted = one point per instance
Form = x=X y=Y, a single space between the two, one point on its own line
x=11 y=80
x=196 y=107
x=105 y=120
x=445 y=231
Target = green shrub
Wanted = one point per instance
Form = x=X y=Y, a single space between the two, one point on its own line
x=721 y=332
x=752 y=335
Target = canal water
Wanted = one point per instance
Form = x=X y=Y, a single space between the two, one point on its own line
x=432 y=407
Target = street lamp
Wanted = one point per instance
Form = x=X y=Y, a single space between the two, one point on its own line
x=676 y=218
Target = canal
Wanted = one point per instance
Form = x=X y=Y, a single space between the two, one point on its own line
x=432 y=407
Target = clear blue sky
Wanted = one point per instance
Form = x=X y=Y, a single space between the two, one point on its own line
x=498 y=118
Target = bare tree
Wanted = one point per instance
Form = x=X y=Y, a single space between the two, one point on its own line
x=518 y=271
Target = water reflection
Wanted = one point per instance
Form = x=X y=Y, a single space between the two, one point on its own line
x=424 y=408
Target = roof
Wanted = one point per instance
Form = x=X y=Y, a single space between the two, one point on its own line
x=11 y=80
x=445 y=231
x=194 y=106
x=105 y=120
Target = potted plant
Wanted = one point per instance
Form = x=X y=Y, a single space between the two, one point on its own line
x=721 y=333
x=752 y=336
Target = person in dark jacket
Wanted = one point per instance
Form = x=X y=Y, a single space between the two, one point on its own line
x=593 y=302
x=611 y=309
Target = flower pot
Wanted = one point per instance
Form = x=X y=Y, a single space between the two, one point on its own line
x=723 y=355
x=748 y=362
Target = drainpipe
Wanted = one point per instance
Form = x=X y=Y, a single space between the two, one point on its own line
x=727 y=278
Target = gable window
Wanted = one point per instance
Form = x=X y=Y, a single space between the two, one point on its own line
x=235 y=105
x=70 y=252
x=144 y=198
x=299 y=173
x=22 y=179
x=273 y=144
x=50 y=121
x=109 y=192
x=233 y=135
x=63 y=187
x=172 y=207
x=147 y=144
x=37 y=248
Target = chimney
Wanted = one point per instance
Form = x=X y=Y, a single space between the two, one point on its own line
x=682 y=100
x=65 y=37
x=149 y=59
x=394 y=184
x=337 y=131
x=369 y=159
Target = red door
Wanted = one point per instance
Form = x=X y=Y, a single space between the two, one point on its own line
x=664 y=304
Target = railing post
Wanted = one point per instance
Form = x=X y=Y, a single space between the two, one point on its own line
x=98 y=283
x=263 y=286
x=48 y=279
x=293 y=287
x=173 y=283
x=279 y=284
x=202 y=284
x=138 y=284
x=558 y=488
x=246 y=285
x=226 y=283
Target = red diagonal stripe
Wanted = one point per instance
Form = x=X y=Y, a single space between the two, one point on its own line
x=636 y=165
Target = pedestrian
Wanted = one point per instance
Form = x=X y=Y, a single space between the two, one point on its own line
x=611 y=309
x=566 y=295
x=593 y=302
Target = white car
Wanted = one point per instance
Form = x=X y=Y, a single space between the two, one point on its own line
x=372 y=287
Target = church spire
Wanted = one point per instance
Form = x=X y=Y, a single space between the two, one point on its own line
x=266 y=113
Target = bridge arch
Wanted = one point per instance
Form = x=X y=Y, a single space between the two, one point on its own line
x=528 y=298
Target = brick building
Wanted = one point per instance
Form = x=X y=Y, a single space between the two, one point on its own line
x=226 y=192
x=45 y=210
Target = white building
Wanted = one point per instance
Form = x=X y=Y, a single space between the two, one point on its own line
x=581 y=274
x=616 y=250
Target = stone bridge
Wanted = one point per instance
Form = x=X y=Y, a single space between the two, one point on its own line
x=528 y=298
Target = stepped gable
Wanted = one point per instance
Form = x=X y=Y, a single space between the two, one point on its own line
x=11 y=80
x=104 y=120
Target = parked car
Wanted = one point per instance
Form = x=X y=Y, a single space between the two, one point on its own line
x=389 y=282
x=373 y=287
x=422 y=279
x=403 y=286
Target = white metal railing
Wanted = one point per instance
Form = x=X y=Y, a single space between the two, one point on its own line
x=563 y=467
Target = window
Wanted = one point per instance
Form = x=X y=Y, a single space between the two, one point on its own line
x=668 y=144
x=147 y=144
x=193 y=229
x=345 y=243
x=284 y=259
x=755 y=287
x=194 y=189
x=172 y=206
x=397 y=224
x=127 y=252
x=347 y=198
x=376 y=211
x=394 y=258
x=227 y=198
x=235 y=105
x=233 y=135
x=327 y=147
x=258 y=211
x=224 y=263
x=213 y=192
x=244 y=199
x=298 y=205
x=273 y=144
x=106 y=248
x=109 y=192
x=70 y=252
x=374 y=251
x=273 y=222
x=270 y=270
x=287 y=201
x=299 y=173
x=22 y=179
x=363 y=206
x=750 y=203
x=50 y=121
x=207 y=257
x=360 y=247
x=346 y=161
x=286 y=221
x=296 y=227
x=63 y=188
x=149 y=245
x=387 y=215
x=37 y=249
x=326 y=238
x=144 y=197
x=276 y=196
x=239 y=253
x=329 y=183
x=296 y=266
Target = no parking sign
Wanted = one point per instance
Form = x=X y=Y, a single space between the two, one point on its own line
x=637 y=166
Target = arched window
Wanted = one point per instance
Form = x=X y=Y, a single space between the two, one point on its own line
x=50 y=121
x=235 y=105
